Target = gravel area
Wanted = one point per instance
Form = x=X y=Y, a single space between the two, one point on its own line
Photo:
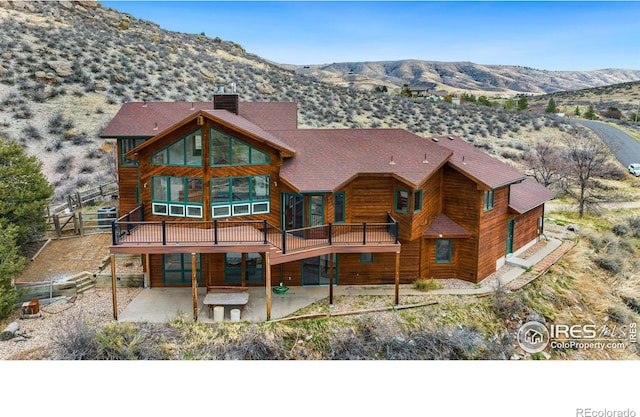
x=34 y=337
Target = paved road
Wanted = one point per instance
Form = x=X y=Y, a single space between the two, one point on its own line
x=624 y=147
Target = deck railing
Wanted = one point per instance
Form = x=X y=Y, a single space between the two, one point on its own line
x=132 y=229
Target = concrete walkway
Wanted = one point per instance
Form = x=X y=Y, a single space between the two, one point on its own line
x=161 y=305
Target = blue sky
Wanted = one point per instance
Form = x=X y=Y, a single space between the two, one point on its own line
x=573 y=35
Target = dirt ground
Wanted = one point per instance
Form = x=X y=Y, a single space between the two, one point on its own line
x=66 y=257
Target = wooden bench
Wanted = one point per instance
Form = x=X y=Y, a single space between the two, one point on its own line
x=226 y=296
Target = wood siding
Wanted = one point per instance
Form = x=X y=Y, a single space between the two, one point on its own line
x=526 y=228
x=493 y=232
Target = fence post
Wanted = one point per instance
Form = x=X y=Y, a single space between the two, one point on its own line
x=264 y=225
x=79 y=199
x=164 y=232
x=76 y=228
x=396 y=231
x=80 y=223
x=56 y=224
x=364 y=233
x=284 y=242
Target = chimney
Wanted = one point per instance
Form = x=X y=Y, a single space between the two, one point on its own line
x=229 y=101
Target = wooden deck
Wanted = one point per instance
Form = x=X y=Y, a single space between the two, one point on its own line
x=149 y=238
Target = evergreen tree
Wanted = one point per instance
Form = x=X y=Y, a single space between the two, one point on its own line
x=590 y=114
x=24 y=192
x=577 y=112
x=523 y=103
x=551 y=107
x=11 y=262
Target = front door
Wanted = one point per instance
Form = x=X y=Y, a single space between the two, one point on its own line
x=315 y=271
x=510 y=226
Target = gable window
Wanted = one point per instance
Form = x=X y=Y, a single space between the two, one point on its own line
x=176 y=268
x=401 y=201
x=417 y=201
x=488 y=200
x=227 y=150
x=339 y=207
x=443 y=251
x=177 y=196
x=125 y=146
x=186 y=151
x=239 y=196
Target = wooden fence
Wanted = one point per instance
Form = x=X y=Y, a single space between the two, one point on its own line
x=82 y=199
x=50 y=289
x=83 y=222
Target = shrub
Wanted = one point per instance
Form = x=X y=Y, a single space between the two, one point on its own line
x=426 y=284
x=611 y=263
x=75 y=340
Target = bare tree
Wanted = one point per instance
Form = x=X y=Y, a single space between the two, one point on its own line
x=543 y=162
x=585 y=159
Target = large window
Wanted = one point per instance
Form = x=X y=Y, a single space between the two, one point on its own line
x=443 y=251
x=239 y=196
x=176 y=268
x=401 y=201
x=184 y=152
x=125 y=146
x=254 y=269
x=227 y=150
x=339 y=207
x=177 y=196
x=488 y=200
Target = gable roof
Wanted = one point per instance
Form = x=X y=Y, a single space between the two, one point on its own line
x=146 y=119
x=226 y=118
x=477 y=165
x=528 y=195
x=328 y=158
x=443 y=226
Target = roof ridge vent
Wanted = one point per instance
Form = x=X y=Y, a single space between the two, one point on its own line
x=425 y=161
x=392 y=162
x=435 y=139
x=451 y=137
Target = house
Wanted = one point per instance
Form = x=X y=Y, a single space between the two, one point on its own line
x=234 y=193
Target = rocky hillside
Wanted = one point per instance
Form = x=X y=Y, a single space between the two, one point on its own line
x=66 y=67
x=463 y=76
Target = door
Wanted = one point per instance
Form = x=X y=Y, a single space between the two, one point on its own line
x=292 y=211
x=316 y=217
x=510 y=226
x=315 y=271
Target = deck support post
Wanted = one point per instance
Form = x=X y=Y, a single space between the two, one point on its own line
x=243 y=268
x=331 y=280
x=148 y=270
x=397 y=292
x=194 y=286
x=267 y=278
x=113 y=287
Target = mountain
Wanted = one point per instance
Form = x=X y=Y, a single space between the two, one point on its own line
x=66 y=68
x=462 y=76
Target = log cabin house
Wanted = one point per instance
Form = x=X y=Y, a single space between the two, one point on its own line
x=234 y=193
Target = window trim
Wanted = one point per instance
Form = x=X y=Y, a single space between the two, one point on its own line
x=448 y=261
x=344 y=207
x=249 y=204
x=488 y=200
x=230 y=140
x=182 y=270
x=395 y=201
x=133 y=143
x=182 y=139
x=417 y=208
x=169 y=204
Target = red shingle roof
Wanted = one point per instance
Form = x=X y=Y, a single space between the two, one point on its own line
x=528 y=195
x=478 y=165
x=327 y=158
x=139 y=119
x=443 y=226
